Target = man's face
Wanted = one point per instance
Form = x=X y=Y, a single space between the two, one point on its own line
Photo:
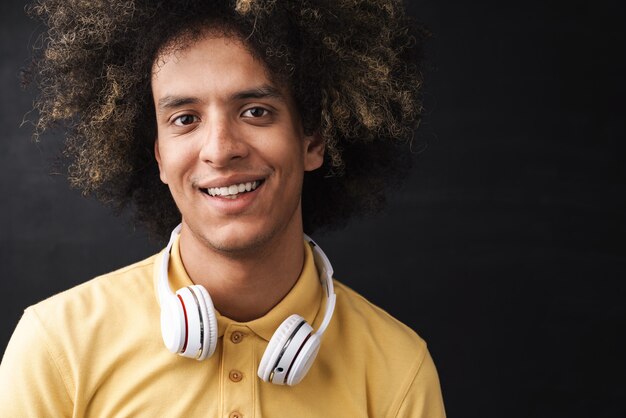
x=230 y=145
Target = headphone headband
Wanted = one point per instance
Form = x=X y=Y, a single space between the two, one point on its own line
x=325 y=272
x=163 y=284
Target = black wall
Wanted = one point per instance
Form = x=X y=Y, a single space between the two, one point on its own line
x=505 y=250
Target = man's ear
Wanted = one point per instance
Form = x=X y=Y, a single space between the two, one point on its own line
x=157 y=155
x=313 y=151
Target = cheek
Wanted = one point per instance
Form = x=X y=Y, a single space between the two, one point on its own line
x=290 y=160
x=174 y=160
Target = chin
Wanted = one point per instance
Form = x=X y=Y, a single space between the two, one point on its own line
x=238 y=242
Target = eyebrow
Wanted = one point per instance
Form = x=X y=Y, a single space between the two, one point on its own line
x=263 y=92
x=171 y=102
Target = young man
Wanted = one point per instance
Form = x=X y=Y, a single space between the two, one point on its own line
x=262 y=120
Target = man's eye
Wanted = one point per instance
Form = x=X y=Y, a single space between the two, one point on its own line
x=255 y=112
x=185 y=120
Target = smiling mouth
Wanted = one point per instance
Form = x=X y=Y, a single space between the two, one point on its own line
x=232 y=191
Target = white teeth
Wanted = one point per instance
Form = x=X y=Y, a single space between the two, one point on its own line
x=233 y=190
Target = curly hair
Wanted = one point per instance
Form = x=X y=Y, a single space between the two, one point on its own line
x=353 y=67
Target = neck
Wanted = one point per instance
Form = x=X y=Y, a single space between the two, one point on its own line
x=245 y=286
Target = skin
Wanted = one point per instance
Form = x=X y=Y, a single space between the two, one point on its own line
x=222 y=121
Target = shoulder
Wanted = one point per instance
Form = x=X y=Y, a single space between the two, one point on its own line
x=357 y=311
x=98 y=318
x=64 y=342
x=84 y=320
x=111 y=288
x=389 y=354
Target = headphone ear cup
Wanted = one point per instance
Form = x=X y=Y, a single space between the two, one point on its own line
x=173 y=324
x=304 y=359
x=191 y=308
x=209 y=321
x=279 y=356
x=201 y=322
x=275 y=346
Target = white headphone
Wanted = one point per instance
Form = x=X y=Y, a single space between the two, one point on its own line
x=189 y=325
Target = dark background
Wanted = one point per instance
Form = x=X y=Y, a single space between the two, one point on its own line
x=505 y=250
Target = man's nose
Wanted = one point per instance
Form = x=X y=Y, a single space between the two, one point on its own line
x=222 y=143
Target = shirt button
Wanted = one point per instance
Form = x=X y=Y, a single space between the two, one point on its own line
x=235 y=375
x=235 y=414
x=236 y=337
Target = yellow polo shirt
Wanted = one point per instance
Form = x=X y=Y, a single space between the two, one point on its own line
x=96 y=351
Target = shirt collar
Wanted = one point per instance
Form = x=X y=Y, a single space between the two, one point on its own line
x=304 y=299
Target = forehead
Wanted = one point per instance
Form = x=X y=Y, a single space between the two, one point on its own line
x=215 y=62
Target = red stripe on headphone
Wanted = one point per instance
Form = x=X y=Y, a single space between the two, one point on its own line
x=186 y=326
